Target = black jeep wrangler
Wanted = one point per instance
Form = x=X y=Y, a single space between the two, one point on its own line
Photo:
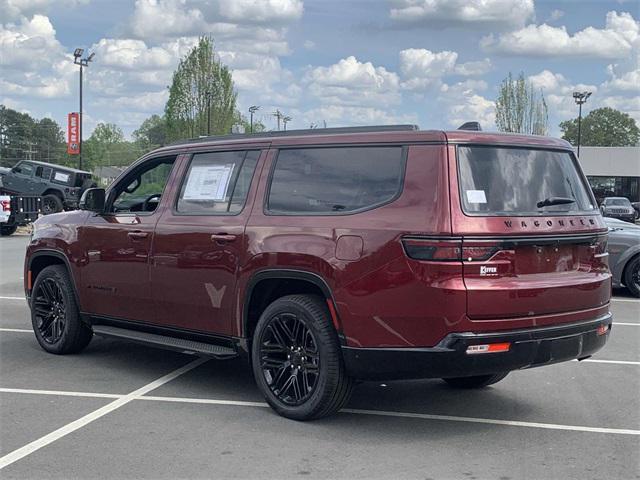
x=60 y=187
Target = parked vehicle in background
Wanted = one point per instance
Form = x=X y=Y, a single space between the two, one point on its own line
x=624 y=254
x=331 y=255
x=16 y=211
x=60 y=187
x=618 y=207
x=636 y=207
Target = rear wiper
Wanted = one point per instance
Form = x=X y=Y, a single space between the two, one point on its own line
x=555 y=201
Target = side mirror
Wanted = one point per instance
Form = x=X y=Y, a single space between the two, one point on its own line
x=16 y=170
x=93 y=200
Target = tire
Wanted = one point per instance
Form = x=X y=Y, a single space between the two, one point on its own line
x=478 y=381
x=5 y=231
x=632 y=276
x=51 y=204
x=321 y=386
x=54 y=313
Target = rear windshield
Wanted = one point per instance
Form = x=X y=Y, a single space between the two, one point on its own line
x=520 y=181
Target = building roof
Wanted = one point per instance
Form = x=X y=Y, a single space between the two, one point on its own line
x=610 y=161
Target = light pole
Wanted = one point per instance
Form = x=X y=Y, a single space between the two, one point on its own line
x=82 y=62
x=208 y=112
x=580 y=98
x=285 y=120
x=252 y=109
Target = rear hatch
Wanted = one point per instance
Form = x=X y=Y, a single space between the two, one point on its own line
x=533 y=242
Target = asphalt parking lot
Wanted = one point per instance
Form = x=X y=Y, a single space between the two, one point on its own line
x=121 y=410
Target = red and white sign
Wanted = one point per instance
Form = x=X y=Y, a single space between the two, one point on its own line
x=73 y=133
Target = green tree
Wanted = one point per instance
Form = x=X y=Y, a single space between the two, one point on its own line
x=520 y=109
x=152 y=132
x=202 y=98
x=603 y=127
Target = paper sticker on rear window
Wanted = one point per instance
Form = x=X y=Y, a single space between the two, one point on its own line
x=476 y=196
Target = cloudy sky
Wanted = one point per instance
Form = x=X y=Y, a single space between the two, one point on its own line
x=437 y=63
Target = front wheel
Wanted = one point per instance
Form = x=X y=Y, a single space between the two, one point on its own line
x=632 y=276
x=54 y=313
x=5 y=230
x=478 y=381
x=296 y=359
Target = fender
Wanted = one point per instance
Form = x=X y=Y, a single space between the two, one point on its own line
x=46 y=252
x=628 y=254
x=272 y=273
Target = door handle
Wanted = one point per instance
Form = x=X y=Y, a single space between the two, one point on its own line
x=137 y=235
x=223 y=237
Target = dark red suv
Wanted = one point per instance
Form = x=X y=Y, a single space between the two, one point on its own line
x=328 y=256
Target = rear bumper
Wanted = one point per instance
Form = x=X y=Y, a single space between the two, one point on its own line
x=529 y=348
x=627 y=217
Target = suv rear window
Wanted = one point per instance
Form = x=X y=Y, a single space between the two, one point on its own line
x=513 y=181
x=335 y=180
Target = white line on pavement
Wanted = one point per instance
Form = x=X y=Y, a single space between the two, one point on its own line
x=628 y=300
x=12 y=298
x=19 y=330
x=382 y=413
x=627 y=324
x=81 y=422
x=617 y=362
x=60 y=392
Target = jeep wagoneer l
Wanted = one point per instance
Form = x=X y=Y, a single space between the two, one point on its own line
x=329 y=256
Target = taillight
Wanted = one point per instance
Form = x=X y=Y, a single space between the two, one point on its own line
x=449 y=250
x=600 y=245
x=5 y=205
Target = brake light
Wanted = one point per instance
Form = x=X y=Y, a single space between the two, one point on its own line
x=449 y=250
x=488 y=348
x=599 y=246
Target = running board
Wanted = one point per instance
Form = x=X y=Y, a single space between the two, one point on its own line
x=162 y=341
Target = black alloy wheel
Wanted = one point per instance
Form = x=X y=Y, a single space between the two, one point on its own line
x=297 y=359
x=632 y=276
x=289 y=358
x=55 y=316
x=49 y=310
x=51 y=204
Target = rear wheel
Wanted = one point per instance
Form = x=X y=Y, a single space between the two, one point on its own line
x=632 y=276
x=54 y=313
x=297 y=361
x=5 y=231
x=478 y=381
x=51 y=204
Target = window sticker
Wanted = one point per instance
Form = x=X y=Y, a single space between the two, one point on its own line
x=476 y=196
x=61 y=177
x=208 y=182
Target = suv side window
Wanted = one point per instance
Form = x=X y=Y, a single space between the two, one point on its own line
x=141 y=190
x=43 y=172
x=25 y=169
x=217 y=183
x=335 y=180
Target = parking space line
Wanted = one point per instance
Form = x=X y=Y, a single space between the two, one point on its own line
x=12 y=298
x=81 y=422
x=616 y=362
x=627 y=324
x=17 y=330
x=353 y=411
x=61 y=393
x=628 y=300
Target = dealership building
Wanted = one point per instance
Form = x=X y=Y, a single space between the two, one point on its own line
x=612 y=171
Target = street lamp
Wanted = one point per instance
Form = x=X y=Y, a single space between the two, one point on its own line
x=252 y=109
x=580 y=98
x=82 y=62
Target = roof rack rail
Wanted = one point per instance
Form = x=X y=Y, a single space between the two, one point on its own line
x=308 y=131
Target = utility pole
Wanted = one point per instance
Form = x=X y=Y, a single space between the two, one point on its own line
x=580 y=98
x=279 y=115
x=208 y=112
x=286 y=120
x=82 y=62
x=252 y=109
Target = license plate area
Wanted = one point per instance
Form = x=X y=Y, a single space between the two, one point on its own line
x=531 y=259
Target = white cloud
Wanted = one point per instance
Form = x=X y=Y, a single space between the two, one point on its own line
x=127 y=54
x=351 y=82
x=341 y=115
x=18 y=42
x=462 y=103
x=463 y=12
x=613 y=41
x=422 y=68
x=555 y=15
x=166 y=18
x=265 y=11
